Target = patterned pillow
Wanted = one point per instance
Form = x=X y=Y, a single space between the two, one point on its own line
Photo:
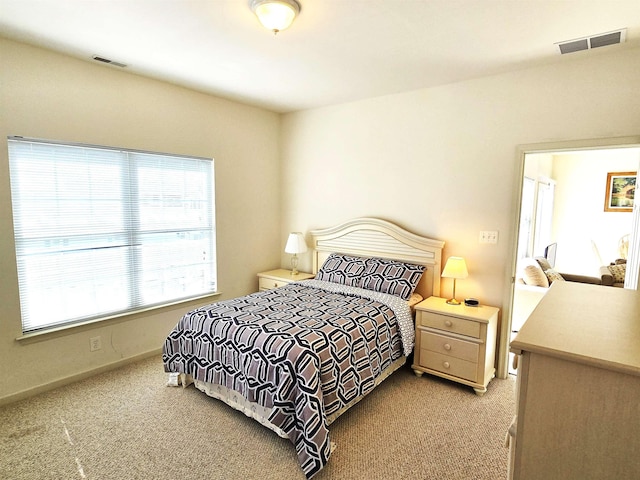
x=342 y=269
x=392 y=277
x=618 y=272
x=544 y=263
x=415 y=299
x=553 y=276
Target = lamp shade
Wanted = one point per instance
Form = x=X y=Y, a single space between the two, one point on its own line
x=295 y=243
x=275 y=15
x=455 y=268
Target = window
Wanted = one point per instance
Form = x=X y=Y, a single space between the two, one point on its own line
x=544 y=215
x=101 y=231
x=525 y=236
x=536 y=216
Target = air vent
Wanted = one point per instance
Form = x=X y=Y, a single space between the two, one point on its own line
x=110 y=62
x=594 y=41
x=573 y=46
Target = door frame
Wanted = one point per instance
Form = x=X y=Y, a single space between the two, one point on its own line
x=551 y=147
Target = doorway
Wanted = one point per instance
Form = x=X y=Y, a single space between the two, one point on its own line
x=585 y=236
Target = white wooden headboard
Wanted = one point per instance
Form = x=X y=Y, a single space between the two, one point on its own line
x=373 y=237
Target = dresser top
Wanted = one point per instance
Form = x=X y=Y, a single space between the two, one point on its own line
x=590 y=324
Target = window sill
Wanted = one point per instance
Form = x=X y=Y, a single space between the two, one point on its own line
x=63 y=330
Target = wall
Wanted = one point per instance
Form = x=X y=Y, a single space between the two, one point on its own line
x=50 y=96
x=443 y=162
x=538 y=165
x=588 y=236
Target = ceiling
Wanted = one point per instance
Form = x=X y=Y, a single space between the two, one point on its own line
x=336 y=51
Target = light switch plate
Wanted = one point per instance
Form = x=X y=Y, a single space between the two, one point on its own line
x=489 y=236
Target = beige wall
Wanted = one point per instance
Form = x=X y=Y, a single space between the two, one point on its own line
x=444 y=161
x=50 y=96
x=588 y=236
x=441 y=162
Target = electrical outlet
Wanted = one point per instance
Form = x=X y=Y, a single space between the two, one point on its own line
x=95 y=343
x=488 y=236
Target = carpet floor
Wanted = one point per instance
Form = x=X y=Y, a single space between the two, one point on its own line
x=127 y=424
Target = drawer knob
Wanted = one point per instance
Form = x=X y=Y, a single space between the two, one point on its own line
x=448 y=323
x=446 y=364
x=276 y=285
x=447 y=346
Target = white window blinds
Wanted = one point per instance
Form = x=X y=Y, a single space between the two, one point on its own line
x=101 y=231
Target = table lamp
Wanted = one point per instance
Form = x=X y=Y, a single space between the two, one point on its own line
x=295 y=245
x=455 y=268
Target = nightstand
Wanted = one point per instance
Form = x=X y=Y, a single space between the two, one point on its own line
x=456 y=342
x=280 y=277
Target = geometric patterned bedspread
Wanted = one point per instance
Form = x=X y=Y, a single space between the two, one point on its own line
x=304 y=350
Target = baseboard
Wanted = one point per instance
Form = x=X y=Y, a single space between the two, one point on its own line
x=30 y=392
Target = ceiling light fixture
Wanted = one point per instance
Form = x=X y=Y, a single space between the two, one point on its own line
x=275 y=15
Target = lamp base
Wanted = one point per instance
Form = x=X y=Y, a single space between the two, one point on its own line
x=453 y=301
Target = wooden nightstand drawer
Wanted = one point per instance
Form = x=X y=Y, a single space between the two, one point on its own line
x=450 y=324
x=280 y=277
x=269 y=283
x=449 y=346
x=456 y=342
x=449 y=365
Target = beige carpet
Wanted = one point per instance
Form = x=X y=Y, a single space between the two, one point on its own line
x=126 y=424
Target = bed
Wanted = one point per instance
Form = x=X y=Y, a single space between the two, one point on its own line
x=295 y=358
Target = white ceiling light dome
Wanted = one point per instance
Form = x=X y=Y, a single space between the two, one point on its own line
x=275 y=15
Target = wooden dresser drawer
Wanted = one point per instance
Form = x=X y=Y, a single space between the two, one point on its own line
x=449 y=365
x=450 y=324
x=449 y=346
x=269 y=283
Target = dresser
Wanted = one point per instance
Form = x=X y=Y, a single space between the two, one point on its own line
x=280 y=277
x=578 y=386
x=456 y=342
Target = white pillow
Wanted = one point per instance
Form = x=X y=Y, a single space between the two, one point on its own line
x=532 y=274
